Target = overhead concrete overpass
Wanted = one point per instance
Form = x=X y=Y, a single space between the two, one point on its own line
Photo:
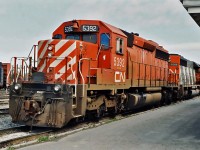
x=193 y=8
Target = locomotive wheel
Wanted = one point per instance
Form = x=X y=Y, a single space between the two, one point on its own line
x=100 y=112
x=169 y=98
x=158 y=104
x=112 y=112
x=95 y=115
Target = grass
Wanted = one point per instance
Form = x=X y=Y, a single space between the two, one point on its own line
x=43 y=139
x=10 y=148
x=111 y=120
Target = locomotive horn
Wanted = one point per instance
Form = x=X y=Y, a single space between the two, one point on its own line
x=75 y=24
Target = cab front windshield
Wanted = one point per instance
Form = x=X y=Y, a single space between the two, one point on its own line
x=87 y=37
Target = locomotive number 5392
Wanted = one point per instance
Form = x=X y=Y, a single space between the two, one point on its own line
x=89 y=28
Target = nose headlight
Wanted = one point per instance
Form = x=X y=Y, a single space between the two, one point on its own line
x=50 y=54
x=17 y=87
x=57 y=88
x=50 y=47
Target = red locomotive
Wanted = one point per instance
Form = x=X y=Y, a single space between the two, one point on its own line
x=90 y=67
x=4 y=75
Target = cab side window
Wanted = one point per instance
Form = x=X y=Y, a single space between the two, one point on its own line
x=105 y=40
x=119 y=45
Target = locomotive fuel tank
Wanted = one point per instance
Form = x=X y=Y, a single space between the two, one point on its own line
x=141 y=100
x=194 y=92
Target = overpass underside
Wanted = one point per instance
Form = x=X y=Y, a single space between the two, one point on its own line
x=193 y=8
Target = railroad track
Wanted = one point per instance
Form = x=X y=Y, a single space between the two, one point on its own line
x=22 y=134
x=13 y=136
x=11 y=130
x=4 y=97
x=3 y=101
x=4 y=111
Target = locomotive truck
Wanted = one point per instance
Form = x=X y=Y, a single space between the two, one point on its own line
x=89 y=68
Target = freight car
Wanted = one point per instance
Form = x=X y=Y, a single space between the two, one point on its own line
x=197 y=71
x=88 y=68
x=1 y=75
x=182 y=76
x=6 y=76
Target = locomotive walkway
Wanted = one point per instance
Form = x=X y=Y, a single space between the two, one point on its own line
x=172 y=127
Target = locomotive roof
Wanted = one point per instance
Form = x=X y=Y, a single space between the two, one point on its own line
x=159 y=47
x=110 y=27
x=196 y=65
x=113 y=28
x=181 y=57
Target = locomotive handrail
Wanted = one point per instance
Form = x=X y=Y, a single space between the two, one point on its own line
x=99 y=51
x=20 y=70
x=15 y=71
x=24 y=59
x=7 y=84
x=18 y=73
x=10 y=70
x=82 y=74
x=31 y=50
x=73 y=71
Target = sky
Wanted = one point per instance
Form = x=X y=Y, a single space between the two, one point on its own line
x=23 y=23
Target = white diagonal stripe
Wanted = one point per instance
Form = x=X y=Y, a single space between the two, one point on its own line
x=62 y=70
x=45 y=48
x=42 y=55
x=60 y=44
x=71 y=62
x=64 y=54
x=42 y=67
x=69 y=50
x=71 y=76
x=39 y=46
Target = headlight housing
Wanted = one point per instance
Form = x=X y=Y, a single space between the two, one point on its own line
x=50 y=47
x=57 y=88
x=17 y=88
x=50 y=54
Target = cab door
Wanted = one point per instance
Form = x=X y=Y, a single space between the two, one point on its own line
x=104 y=51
